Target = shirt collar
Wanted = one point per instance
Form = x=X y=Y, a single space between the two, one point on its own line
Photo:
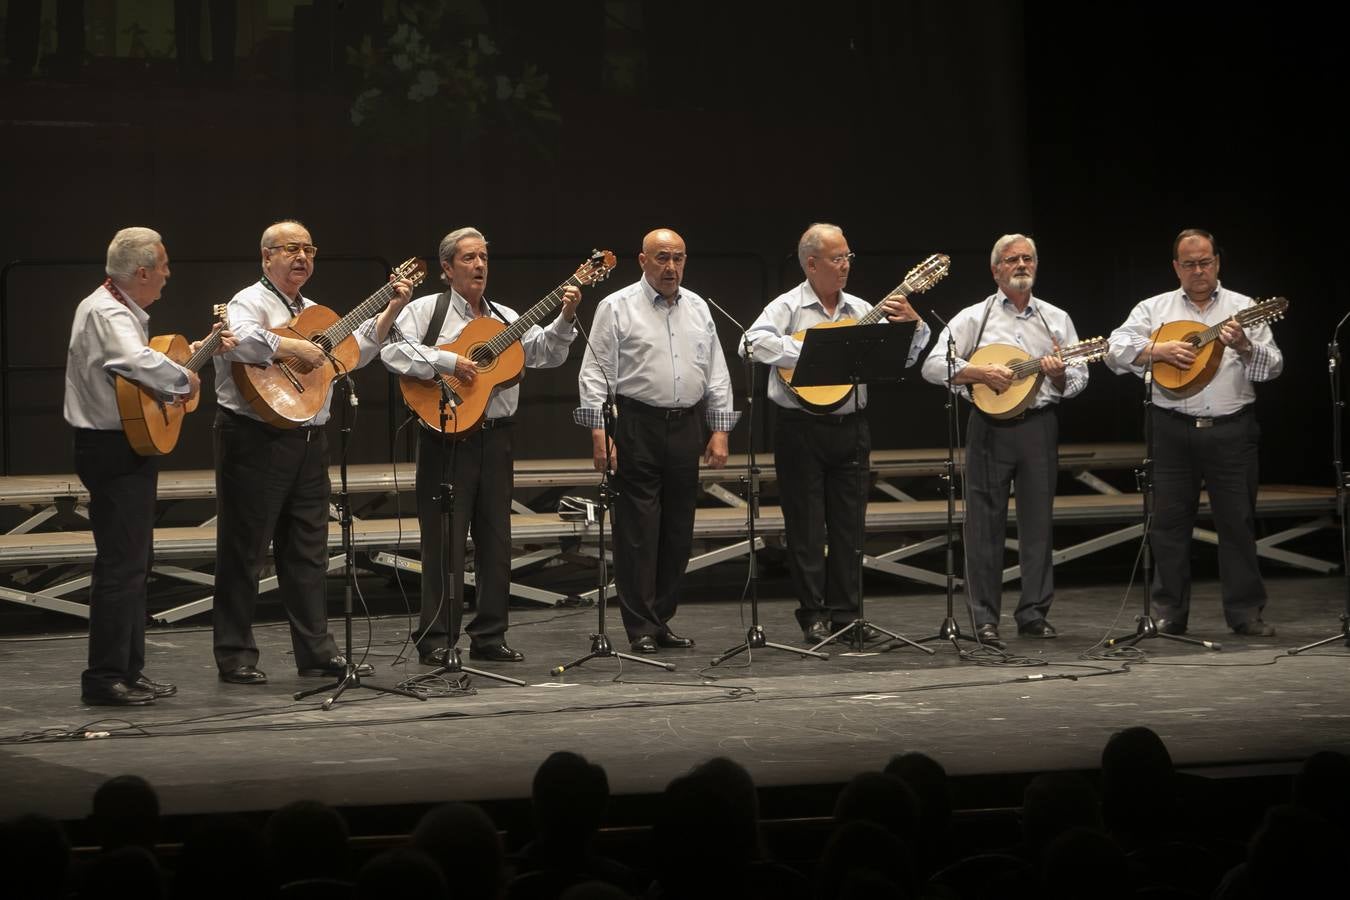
x=1030 y=310
x=297 y=303
x=811 y=298
x=121 y=297
x=1213 y=298
x=654 y=296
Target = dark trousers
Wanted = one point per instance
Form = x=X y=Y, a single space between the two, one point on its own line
x=482 y=480
x=823 y=474
x=997 y=454
x=1223 y=458
x=271 y=486
x=122 y=514
x=657 y=483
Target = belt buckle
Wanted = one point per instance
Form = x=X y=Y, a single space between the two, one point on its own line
x=1204 y=422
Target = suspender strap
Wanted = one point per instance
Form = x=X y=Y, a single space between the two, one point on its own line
x=437 y=319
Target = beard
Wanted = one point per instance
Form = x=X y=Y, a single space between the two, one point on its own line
x=1021 y=282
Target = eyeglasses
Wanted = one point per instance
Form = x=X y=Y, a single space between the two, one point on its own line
x=294 y=249
x=1198 y=265
x=1025 y=259
x=840 y=259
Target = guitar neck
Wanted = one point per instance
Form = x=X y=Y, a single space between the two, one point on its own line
x=874 y=316
x=532 y=316
x=204 y=352
x=343 y=328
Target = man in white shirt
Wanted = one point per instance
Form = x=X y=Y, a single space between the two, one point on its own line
x=109 y=338
x=1024 y=448
x=654 y=351
x=1210 y=436
x=272 y=483
x=478 y=468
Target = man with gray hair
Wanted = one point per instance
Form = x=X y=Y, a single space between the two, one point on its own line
x=479 y=467
x=109 y=338
x=1024 y=448
x=822 y=458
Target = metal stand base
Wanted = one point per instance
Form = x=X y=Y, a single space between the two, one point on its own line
x=1343 y=636
x=351 y=680
x=755 y=640
x=950 y=630
x=453 y=665
x=857 y=627
x=1148 y=629
x=602 y=649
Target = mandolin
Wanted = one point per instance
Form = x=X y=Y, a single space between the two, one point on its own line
x=285 y=393
x=826 y=398
x=153 y=425
x=1027 y=374
x=1208 y=350
x=495 y=351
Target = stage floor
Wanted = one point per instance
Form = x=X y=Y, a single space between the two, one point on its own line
x=790 y=720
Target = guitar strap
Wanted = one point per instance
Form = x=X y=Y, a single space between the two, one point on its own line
x=437 y=319
x=988 y=308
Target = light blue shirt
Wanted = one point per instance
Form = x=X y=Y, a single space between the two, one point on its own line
x=771 y=339
x=1038 y=330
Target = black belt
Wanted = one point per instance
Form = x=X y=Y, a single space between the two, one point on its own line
x=1205 y=421
x=786 y=414
x=304 y=432
x=1020 y=417
x=657 y=412
x=489 y=424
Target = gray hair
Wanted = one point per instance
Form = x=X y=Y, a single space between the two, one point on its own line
x=1004 y=242
x=270 y=232
x=450 y=242
x=813 y=239
x=131 y=249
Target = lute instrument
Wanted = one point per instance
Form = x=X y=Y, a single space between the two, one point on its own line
x=1208 y=349
x=1027 y=374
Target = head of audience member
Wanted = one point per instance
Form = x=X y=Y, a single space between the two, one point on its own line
x=822 y=252
x=662 y=260
x=403 y=872
x=570 y=796
x=464 y=843
x=125 y=813
x=1295 y=853
x=1055 y=802
x=926 y=778
x=1082 y=862
x=1135 y=764
x=1323 y=786
x=138 y=264
x=306 y=840
x=1195 y=260
x=128 y=871
x=34 y=857
x=464 y=263
x=865 y=859
x=708 y=823
x=594 y=890
x=222 y=858
x=288 y=254
x=1013 y=263
x=880 y=798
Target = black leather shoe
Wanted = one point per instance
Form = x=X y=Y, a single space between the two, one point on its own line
x=244 y=675
x=988 y=635
x=1171 y=626
x=1254 y=628
x=440 y=657
x=336 y=668
x=816 y=632
x=1038 y=629
x=672 y=641
x=496 y=653
x=158 y=688
x=869 y=634
x=117 y=693
x=645 y=644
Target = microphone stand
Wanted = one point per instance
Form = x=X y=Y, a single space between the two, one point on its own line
x=1147 y=628
x=950 y=629
x=1337 y=411
x=601 y=647
x=754 y=635
x=351 y=678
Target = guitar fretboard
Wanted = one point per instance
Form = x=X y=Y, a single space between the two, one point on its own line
x=534 y=315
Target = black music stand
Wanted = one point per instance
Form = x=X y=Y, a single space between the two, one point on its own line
x=857 y=355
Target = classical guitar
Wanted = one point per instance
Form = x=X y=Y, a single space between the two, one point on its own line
x=495 y=351
x=1208 y=350
x=829 y=397
x=152 y=425
x=1027 y=374
x=286 y=393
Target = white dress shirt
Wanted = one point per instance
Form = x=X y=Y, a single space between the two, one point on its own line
x=662 y=354
x=405 y=354
x=771 y=339
x=1231 y=389
x=252 y=312
x=107 y=338
x=1037 y=330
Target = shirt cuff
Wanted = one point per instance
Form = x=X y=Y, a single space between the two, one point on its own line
x=589 y=417
x=721 y=419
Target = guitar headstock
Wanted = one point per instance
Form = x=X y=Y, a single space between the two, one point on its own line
x=597 y=268
x=412 y=270
x=925 y=275
x=1085 y=351
x=1271 y=310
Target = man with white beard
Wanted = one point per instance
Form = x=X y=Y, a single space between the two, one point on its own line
x=1025 y=447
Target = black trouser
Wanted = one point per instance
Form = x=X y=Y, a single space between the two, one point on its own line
x=122 y=514
x=271 y=485
x=482 y=483
x=1222 y=457
x=657 y=482
x=999 y=452
x=823 y=474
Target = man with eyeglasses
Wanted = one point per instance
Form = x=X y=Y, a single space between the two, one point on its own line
x=653 y=349
x=1210 y=437
x=822 y=459
x=1024 y=449
x=272 y=483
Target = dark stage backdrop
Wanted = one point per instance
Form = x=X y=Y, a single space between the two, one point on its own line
x=556 y=128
